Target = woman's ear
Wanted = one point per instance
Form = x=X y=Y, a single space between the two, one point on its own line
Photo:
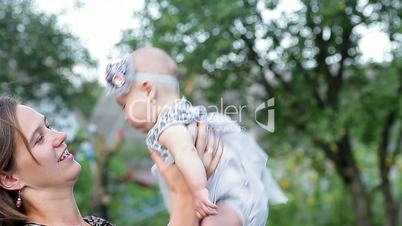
x=150 y=89
x=9 y=182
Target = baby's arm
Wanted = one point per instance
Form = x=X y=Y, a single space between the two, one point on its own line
x=178 y=140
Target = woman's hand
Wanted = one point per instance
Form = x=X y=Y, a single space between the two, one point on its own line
x=208 y=147
x=173 y=177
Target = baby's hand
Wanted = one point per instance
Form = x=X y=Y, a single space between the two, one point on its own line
x=202 y=206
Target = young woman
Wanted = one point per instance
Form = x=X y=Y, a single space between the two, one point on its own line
x=37 y=173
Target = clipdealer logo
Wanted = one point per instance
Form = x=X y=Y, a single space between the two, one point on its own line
x=267 y=106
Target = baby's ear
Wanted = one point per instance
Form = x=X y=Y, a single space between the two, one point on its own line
x=150 y=89
x=9 y=182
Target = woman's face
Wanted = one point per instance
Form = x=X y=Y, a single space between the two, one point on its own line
x=55 y=167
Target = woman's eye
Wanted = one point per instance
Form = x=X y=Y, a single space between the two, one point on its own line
x=39 y=140
x=49 y=126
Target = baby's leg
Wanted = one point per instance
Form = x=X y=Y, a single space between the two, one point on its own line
x=226 y=216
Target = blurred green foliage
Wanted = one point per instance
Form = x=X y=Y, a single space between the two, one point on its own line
x=37 y=58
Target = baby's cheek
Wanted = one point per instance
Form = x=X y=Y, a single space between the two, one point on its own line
x=137 y=123
x=132 y=115
x=130 y=118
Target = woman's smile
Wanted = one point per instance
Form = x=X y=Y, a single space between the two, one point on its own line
x=65 y=156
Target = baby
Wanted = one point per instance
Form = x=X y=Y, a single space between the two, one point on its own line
x=145 y=84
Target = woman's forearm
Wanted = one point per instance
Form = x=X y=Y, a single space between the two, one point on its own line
x=182 y=210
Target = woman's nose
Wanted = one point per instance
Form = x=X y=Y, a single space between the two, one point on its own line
x=59 y=138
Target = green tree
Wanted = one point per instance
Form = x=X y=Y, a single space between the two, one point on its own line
x=328 y=100
x=37 y=59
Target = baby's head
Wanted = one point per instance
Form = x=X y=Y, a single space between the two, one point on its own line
x=143 y=83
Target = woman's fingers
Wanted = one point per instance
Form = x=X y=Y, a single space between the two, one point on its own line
x=202 y=213
x=207 y=157
x=209 y=208
x=207 y=211
x=216 y=158
x=158 y=160
x=201 y=138
x=211 y=205
x=198 y=215
x=212 y=211
x=209 y=148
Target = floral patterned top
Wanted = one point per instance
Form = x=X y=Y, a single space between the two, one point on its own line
x=91 y=220
x=181 y=112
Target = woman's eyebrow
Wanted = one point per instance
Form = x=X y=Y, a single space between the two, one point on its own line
x=36 y=130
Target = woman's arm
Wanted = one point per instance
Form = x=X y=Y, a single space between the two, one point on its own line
x=182 y=211
x=181 y=207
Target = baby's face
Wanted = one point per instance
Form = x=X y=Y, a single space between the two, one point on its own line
x=138 y=109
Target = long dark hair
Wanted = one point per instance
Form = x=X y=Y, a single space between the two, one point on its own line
x=9 y=132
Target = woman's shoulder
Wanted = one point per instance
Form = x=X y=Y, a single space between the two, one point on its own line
x=92 y=220
x=97 y=221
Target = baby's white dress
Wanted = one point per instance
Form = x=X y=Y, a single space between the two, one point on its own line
x=241 y=180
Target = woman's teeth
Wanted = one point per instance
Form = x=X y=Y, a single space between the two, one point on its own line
x=64 y=155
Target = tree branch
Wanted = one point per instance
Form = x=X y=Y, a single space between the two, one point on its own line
x=398 y=148
x=383 y=147
x=374 y=190
x=312 y=84
x=253 y=56
x=328 y=151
